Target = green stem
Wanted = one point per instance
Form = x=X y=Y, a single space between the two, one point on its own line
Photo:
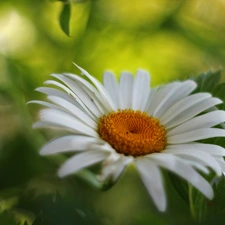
x=90 y=178
x=86 y=175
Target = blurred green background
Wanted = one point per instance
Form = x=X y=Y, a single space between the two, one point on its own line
x=173 y=39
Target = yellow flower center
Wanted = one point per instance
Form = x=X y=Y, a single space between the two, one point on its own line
x=132 y=132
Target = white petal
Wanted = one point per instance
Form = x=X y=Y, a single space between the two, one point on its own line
x=122 y=164
x=181 y=168
x=197 y=165
x=116 y=168
x=47 y=104
x=79 y=114
x=87 y=97
x=126 y=90
x=195 y=135
x=80 y=161
x=112 y=87
x=66 y=89
x=74 y=111
x=150 y=98
x=152 y=179
x=174 y=95
x=70 y=143
x=208 y=148
x=183 y=104
x=140 y=90
x=61 y=118
x=214 y=108
x=222 y=164
x=55 y=92
x=159 y=97
x=44 y=124
x=107 y=100
x=197 y=155
x=75 y=99
x=82 y=85
x=204 y=121
x=60 y=94
x=188 y=110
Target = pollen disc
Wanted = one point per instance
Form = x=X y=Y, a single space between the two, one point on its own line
x=132 y=132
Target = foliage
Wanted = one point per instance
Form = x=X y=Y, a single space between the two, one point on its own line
x=64 y=18
x=203 y=210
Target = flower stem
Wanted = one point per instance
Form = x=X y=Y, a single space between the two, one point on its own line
x=86 y=175
x=90 y=178
x=93 y=180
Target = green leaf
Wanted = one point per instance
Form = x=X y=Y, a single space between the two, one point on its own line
x=219 y=92
x=64 y=18
x=180 y=185
x=147 y=218
x=56 y=209
x=7 y=219
x=210 y=211
x=23 y=217
x=8 y=203
x=207 y=81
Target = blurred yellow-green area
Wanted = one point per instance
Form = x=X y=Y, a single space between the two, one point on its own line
x=172 y=39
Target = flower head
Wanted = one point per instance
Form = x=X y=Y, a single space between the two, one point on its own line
x=125 y=122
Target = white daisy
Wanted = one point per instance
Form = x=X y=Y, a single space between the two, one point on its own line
x=128 y=122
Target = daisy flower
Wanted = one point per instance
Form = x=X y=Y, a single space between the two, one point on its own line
x=127 y=122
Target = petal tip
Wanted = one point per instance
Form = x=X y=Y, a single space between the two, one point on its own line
x=162 y=207
x=61 y=172
x=35 y=125
x=43 y=151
